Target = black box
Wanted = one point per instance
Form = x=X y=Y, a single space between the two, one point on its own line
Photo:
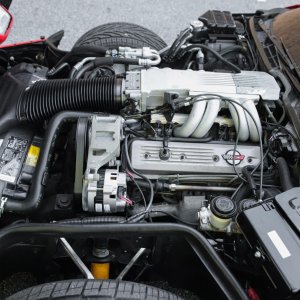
x=272 y=230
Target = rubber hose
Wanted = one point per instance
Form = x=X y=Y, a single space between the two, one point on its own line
x=233 y=49
x=45 y=98
x=82 y=51
x=250 y=180
x=103 y=61
x=214 y=53
x=87 y=67
x=41 y=173
x=243 y=193
x=284 y=174
x=93 y=220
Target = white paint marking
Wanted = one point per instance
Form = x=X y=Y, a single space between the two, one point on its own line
x=279 y=244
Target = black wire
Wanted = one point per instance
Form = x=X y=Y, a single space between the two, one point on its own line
x=145 y=267
x=286 y=130
x=212 y=51
x=252 y=173
x=151 y=194
x=235 y=146
x=196 y=99
x=175 y=47
x=167 y=214
x=175 y=217
x=140 y=190
x=226 y=51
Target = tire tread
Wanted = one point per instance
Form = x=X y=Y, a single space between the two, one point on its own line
x=112 y=35
x=93 y=289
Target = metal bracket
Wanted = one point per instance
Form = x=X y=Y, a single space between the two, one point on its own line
x=2 y=203
x=131 y=263
x=76 y=259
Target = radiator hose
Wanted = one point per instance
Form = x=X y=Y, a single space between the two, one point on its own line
x=284 y=174
x=45 y=98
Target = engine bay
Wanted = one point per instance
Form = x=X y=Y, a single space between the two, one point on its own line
x=198 y=133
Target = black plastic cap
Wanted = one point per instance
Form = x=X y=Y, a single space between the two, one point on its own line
x=246 y=203
x=223 y=207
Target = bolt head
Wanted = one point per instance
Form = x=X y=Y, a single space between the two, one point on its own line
x=257 y=254
x=197 y=25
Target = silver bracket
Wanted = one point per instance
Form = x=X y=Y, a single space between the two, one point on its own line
x=130 y=264
x=76 y=259
x=2 y=203
x=106 y=133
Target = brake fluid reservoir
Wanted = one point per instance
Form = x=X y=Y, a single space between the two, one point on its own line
x=222 y=210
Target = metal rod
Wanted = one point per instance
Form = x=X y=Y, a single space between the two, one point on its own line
x=178 y=187
x=131 y=263
x=76 y=259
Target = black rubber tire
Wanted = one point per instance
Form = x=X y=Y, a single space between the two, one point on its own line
x=113 y=35
x=93 y=289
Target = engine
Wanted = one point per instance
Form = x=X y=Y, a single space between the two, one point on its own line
x=197 y=133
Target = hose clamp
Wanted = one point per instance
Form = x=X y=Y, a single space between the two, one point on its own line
x=2 y=203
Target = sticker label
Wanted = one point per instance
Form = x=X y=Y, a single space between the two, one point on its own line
x=11 y=159
x=279 y=244
x=237 y=157
x=32 y=156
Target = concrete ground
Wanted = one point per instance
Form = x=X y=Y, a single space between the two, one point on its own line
x=34 y=18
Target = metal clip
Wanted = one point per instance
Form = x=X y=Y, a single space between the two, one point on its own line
x=2 y=203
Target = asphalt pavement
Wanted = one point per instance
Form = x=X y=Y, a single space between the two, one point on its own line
x=35 y=18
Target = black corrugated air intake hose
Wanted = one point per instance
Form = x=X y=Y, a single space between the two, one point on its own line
x=45 y=98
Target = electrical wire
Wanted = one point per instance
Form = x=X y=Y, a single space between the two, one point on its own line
x=165 y=213
x=138 y=187
x=286 y=130
x=252 y=173
x=151 y=194
x=175 y=217
x=213 y=52
x=177 y=44
x=226 y=99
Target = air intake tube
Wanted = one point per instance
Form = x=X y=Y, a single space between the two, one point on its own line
x=45 y=98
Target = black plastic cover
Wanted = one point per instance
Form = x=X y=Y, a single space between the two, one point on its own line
x=288 y=203
x=269 y=233
x=219 y=22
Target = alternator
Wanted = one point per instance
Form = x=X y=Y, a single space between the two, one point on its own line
x=108 y=193
x=104 y=187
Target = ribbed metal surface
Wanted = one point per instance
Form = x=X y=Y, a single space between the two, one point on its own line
x=189 y=158
x=260 y=83
x=191 y=155
x=224 y=79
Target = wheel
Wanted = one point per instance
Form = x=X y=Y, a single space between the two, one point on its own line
x=113 y=35
x=93 y=289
